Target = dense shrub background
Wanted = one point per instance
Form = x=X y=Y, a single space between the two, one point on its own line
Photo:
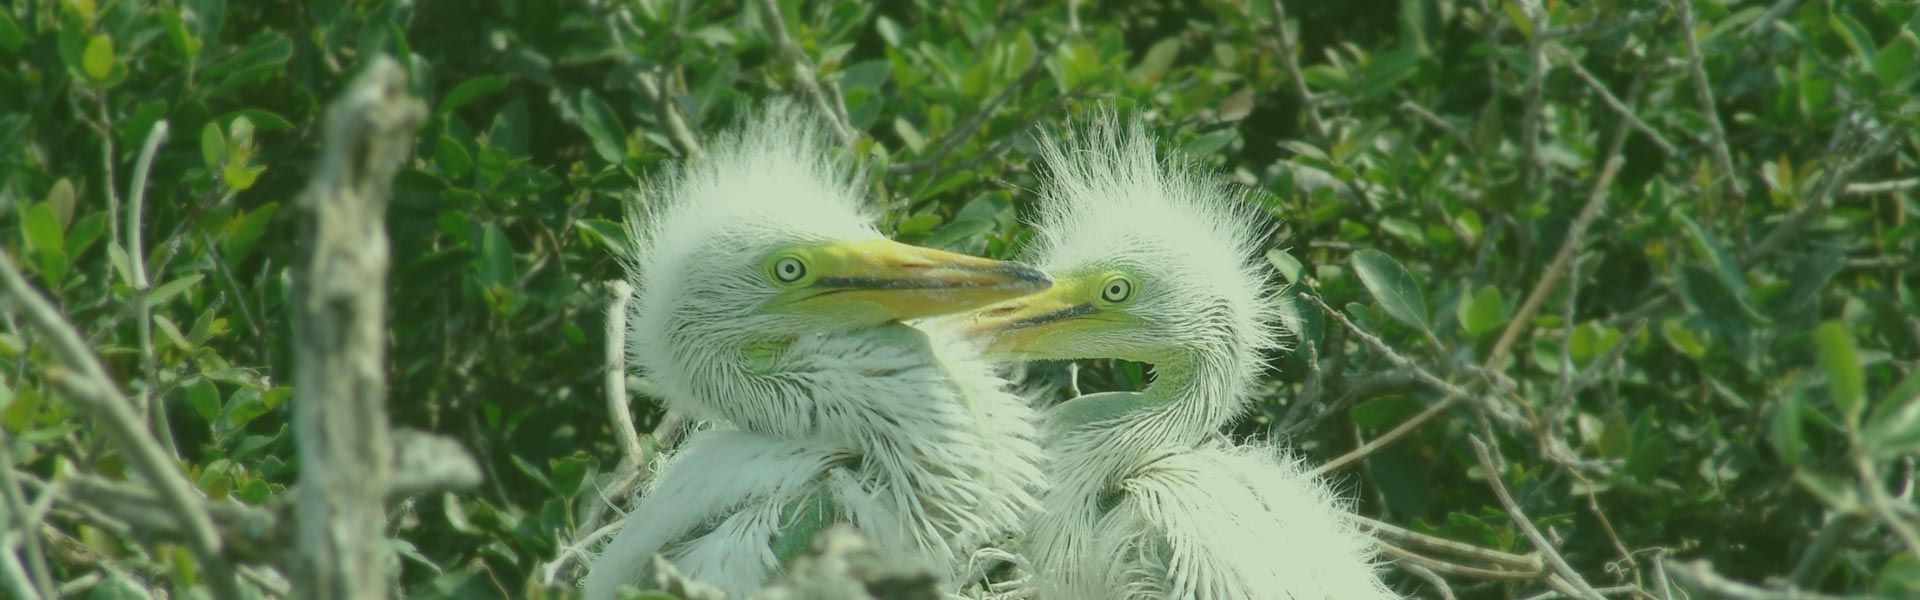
x=1720 y=376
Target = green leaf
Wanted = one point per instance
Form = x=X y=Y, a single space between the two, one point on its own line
x=1288 y=265
x=117 y=587
x=612 y=235
x=1853 y=33
x=1484 y=312
x=44 y=233
x=1393 y=287
x=85 y=232
x=603 y=128
x=1846 y=381
x=98 y=58
x=952 y=233
x=240 y=177
x=470 y=90
x=1517 y=15
x=1895 y=60
x=162 y=293
x=1725 y=269
x=60 y=199
x=1894 y=425
x=1210 y=143
x=496 y=258
x=1683 y=339
x=204 y=397
x=171 y=332
x=11 y=37
x=244 y=233
x=213 y=146
x=1899 y=577
x=452 y=158
x=1784 y=429
x=1159 y=58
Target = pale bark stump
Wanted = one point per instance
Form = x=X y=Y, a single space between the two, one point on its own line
x=340 y=418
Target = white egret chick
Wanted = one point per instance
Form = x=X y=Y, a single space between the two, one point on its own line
x=767 y=303
x=1156 y=263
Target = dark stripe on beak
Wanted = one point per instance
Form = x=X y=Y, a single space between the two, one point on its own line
x=1077 y=310
x=1016 y=273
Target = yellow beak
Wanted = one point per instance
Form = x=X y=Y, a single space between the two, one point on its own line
x=1019 y=328
x=890 y=281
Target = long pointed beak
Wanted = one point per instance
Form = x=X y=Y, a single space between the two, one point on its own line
x=906 y=282
x=1017 y=328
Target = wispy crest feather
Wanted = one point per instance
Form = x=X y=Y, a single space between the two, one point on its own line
x=1109 y=199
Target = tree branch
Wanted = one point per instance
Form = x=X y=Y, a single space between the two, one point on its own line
x=340 y=420
x=155 y=413
x=1292 y=64
x=85 y=382
x=805 y=77
x=1704 y=94
x=1539 y=540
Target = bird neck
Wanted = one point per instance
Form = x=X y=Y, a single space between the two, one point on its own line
x=1102 y=436
x=1193 y=395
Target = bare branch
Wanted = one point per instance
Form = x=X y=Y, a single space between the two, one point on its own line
x=1613 y=102
x=1292 y=64
x=85 y=382
x=631 y=450
x=340 y=419
x=805 y=77
x=1881 y=187
x=1519 y=517
x=953 y=139
x=1704 y=93
x=1835 y=179
x=1556 y=269
x=1530 y=124
x=1529 y=563
x=1699 y=575
x=155 y=413
x=19 y=515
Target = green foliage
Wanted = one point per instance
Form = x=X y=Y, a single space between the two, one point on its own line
x=1705 y=387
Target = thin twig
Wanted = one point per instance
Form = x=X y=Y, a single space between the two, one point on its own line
x=1554 y=560
x=1882 y=187
x=1779 y=9
x=1557 y=268
x=11 y=573
x=1529 y=563
x=1835 y=180
x=1613 y=102
x=1439 y=584
x=631 y=450
x=1530 y=124
x=952 y=140
x=1699 y=574
x=668 y=110
x=22 y=516
x=154 y=412
x=1883 y=506
x=1704 y=94
x=1454 y=395
x=804 y=75
x=86 y=383
x=1814 y=562
x=1292 y=64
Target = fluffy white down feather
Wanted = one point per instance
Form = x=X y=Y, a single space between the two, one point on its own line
x=917 y=441
x=1142 y=504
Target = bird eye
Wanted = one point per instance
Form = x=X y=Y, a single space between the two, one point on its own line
x=1117 y=290
x=789 y=269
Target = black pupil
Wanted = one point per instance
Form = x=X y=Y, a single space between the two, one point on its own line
x=1114 y=290
x=789 y=268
